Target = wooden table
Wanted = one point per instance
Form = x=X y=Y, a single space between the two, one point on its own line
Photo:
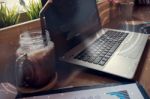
x=77 y=76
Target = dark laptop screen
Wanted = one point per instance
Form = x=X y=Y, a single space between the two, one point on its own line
x=71 y=21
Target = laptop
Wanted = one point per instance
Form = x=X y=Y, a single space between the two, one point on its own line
x=75 y=27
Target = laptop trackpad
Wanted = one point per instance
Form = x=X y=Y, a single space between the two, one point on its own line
x=130 y=50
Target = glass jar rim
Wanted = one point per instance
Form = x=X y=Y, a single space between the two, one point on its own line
x=28 y=37
x=32 y=33
x=27 y=34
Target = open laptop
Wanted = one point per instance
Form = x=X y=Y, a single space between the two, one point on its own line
x=75 y=28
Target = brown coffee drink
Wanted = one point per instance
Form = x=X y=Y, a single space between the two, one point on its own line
x=35 y=63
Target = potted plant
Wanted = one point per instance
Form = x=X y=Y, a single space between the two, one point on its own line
x=11 y=17
x=32 y=9
x=8 y=16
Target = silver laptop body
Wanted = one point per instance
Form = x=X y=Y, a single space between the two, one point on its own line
x=124 y=60
x=75 y=24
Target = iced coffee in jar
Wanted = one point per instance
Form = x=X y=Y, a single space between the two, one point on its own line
x=35 y=61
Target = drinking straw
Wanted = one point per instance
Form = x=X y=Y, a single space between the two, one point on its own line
x=42 y=20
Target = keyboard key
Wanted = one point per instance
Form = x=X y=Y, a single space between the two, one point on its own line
x=102 y=63
x=85 y=58
x=91 y=59
x=104 y=59
x=97 y=60
x=107 y=56
x=114 y=47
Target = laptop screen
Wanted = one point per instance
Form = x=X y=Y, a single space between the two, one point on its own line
x=70 y=22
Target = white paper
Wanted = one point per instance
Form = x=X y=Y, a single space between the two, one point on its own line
x=129 y=91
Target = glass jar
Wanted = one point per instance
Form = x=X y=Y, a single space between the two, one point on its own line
x=35 y=60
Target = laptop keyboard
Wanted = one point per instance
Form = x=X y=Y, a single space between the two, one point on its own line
x=102 y=49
